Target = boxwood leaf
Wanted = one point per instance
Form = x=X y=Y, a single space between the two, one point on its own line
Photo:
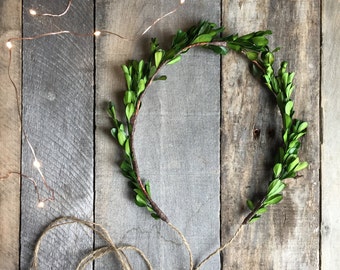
x=273 y=199
x=129 y=111
x=301 y=166
x=277 y=169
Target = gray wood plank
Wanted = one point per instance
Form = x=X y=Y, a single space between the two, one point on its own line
x=10 y=26
x=58 y=104
x=288 y=236
x=177 y=138
x=330 y=147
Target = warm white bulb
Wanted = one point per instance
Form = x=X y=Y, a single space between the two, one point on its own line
x=97 y=33
x=182 y=2
x=41 y=205
x=9 y=45
x=36 y=164
x=33 y=12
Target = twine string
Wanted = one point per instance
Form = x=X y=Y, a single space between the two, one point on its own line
x=118 y=251
x=97 y=253
x=221 y=248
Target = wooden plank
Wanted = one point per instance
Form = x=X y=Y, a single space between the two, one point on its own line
x=288 y=236
x=58 y=103
x=10 y=26
x=330 y=148
x=177 y=137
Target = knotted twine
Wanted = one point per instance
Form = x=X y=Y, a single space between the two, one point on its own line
x=118 y=251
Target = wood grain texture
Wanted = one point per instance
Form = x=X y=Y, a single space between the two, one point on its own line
x=10 y=26
x=288 y=236
x=58 y=104
x=177 y=137
x=330 y=147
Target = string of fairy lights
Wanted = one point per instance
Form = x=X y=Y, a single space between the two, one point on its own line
x=37 y=164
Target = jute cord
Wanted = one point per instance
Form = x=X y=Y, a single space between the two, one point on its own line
x=118 y=251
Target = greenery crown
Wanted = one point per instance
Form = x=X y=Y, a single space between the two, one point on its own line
x=140 y=74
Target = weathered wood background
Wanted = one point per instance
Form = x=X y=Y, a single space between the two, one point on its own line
x=195 y=136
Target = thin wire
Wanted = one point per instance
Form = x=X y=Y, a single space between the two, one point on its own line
x=97 y=33
x=34 y=13
x=37 y=164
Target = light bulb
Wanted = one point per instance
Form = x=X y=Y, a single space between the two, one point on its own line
x=9 y=45
x=41 y=205
x=36 y=164
x=32 y=12
x=97 y=33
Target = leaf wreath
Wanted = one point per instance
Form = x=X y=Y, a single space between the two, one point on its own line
x=140 y=74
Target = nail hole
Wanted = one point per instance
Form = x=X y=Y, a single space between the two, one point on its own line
x=256 y=133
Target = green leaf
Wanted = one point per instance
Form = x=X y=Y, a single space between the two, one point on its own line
x=141 y=86
x=294 y=144
x=140 y=66
x=175 y=60
x=289 y=107
x=301 y=166
x=114 y=132
x=275 y=187
x=121 y=137
x=112 y=111
x=287 y=121
x=154 y=45
x=285 y=137
x=248 y=36
x=276 y=49
x=289 y=90
x=152 y=71
x=127 y=147
x=140 y=193
x=155 y=216
x=129 y=111
x=158 y=57
x=125 y=69
x=160 y=78
x=255 y=71
x=268 y=58
x=252 y=55
x=147 y=188
x=277 y=169
x=273 y=200
x=141 y=202
x=150 y=209
x=293 y=164
x=260 y=41
x=250 y=205
x=300 y=135
x=234 y=47
x=262 y=210
x=127 y=75
x=218 y=49
x=254 y=218
x=302 y=127
x=125 y=166
x=202 y=38
x=129 y=97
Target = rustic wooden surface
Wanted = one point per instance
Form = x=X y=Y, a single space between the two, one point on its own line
x=10 y=25
x=330 y=229
x=184 y=179
x=275 y=241
x=58 y=101
x=195 y=137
